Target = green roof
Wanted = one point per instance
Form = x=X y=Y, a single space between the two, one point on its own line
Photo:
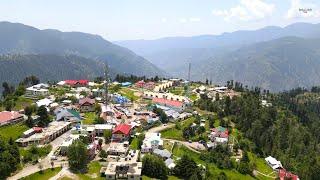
x=75 y=113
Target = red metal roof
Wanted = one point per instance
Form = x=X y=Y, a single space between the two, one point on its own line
x=283 y=174
x=122 y=128
x=167 y=102
x=9 y=116
x=37 y=129
x=74 y=82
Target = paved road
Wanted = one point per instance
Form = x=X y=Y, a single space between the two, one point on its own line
x=161 y=128
x=194 y=146
x=45 y=162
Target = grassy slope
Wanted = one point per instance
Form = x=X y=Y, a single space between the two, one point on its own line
x=89 y=118
x=174 y=133
x=134 y=144
x=21 y=103
x=14 y=131
x=128 y=93
x=179 y=150
x=93 y=172
x=47 y=174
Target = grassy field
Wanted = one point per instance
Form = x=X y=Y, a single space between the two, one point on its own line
x=89 y=118
x=177 y=90
x=177 y=134
x=261 y=166
x=128 y=93
x=47 y=174
x=167 y=145
x=180 y=150
x=134 y=144
x=169 y=178
x=14 y=131
x=21 y=103
x=93 y=172
x=174 y=133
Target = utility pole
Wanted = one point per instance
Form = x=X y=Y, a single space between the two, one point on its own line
x=188 y=88
x=106 y=84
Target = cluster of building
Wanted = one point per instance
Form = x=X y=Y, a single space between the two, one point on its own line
x=211 y=92
x=145 y=85
x=41 y=136
x=154 y=144
x=176 y=102
x=277 y=166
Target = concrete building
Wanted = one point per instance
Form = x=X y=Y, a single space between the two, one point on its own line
x=117 y=149
x=36 y=91
x=124 y=170
x=151 y=142
x=48 y=134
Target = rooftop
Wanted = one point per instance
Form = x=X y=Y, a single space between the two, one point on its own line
x=123 y=128
x=9 y=115
x=129 y=168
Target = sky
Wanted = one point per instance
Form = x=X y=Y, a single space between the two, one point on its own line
x=152 y=19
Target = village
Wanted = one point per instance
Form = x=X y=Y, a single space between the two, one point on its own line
x=121 y=122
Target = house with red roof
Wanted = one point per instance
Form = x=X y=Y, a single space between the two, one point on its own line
x=283 y=174
x=173 y=104
x=140 y=84
x=86 y=104
x=10 y=117
x=121 y=133
x=219 y=135
x=147 y=85
x=76 y=83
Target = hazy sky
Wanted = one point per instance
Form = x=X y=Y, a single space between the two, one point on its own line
x=150 y=19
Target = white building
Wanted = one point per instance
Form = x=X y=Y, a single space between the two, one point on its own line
x=151 y=142
x=37 y=91
x=273 y=163
x=124 y=170
x=44 y=102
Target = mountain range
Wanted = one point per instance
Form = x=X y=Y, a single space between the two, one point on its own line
x=67 y=47
x=274 y=58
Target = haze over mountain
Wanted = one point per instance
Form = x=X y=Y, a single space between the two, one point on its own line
x=17 y=38
x=279 y=64
x=211 y=55
x=14 y=68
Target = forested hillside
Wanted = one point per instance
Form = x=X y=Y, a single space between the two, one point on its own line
x=277 y=65
x=287 y=129
x=21 y=39
x=47 y=67
x=273 y=57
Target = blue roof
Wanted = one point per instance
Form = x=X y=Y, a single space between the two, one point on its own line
x=126 y=83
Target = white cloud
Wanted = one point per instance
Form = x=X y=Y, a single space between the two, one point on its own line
x=183 y=20
x=302 y=10
x=247 y=10
x=194 y=19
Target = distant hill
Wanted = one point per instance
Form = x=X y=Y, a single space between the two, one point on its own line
x=279 y=64
x=21 y=39
x=182 y=50
x=15 y=68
